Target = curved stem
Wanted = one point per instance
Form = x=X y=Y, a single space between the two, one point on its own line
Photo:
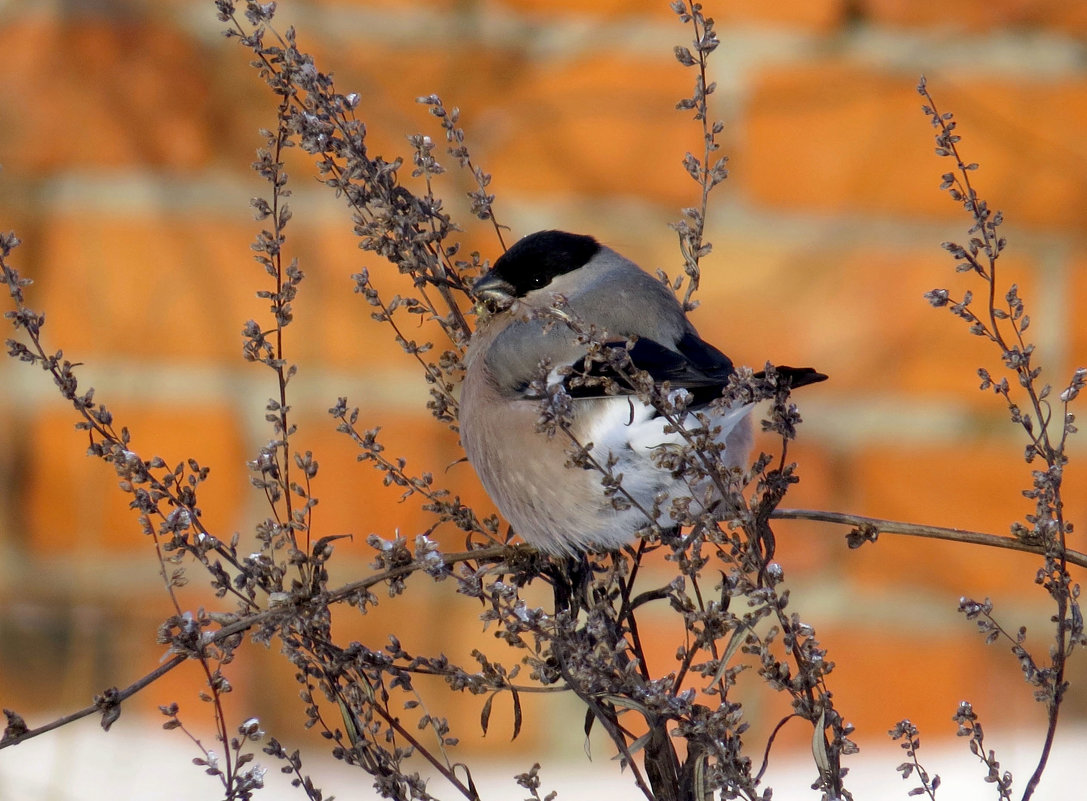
x=932 y=532
x=122 y=695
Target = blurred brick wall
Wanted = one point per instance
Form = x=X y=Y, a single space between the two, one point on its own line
x=126 y=136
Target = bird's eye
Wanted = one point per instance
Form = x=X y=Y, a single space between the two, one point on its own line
x=537 y=281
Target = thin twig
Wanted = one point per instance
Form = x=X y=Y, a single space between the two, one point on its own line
x=120 y=695
x=918 y=530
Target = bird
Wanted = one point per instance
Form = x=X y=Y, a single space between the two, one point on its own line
x=542 y=306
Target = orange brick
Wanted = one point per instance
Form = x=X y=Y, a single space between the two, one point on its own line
x=585 y=129
x=805 y=549
x=855 y=311
x=387 y=106
x=565 y=124
x=332 y=323
x=102 y=296
x=95 y=307
x=72 y=501
x=576 y=125
x=241 y=104
x=1077 y=342
x=16 y=214
x=616 y=8
x=134 y=652
x=823 y=15
x=866 y=146
x=385 y=5
x=819 y=15
x=970 y=484
x=11 y=443
x=101 y=93
x=889 y=672
x=353 y=498
x=979 y=15
x=570 y=125
x=463 y=75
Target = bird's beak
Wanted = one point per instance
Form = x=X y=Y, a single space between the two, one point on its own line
x=493 y=292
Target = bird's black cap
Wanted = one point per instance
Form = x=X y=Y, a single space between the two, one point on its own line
x=538 y=258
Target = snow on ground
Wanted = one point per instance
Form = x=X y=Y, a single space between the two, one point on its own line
x=140 y=761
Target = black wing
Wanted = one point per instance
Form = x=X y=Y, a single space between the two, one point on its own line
x=694 y=365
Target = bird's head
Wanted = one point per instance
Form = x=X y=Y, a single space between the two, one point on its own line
x=531 y=265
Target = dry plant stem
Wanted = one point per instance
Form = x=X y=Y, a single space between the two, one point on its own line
x=1049 y=525
x=705 y=183
x=482 y=203
x=268 y=247
x=930 y=532
x=98 y=422
x=395 y=471
x=629 y=605
x=463 y=331
x=814 y=697
x=446 y=770
x=121 y=695
x=276 y=612
x=928 y=784
x=708 y=172
x=222 y=734
x=462 y=327
x=282 y=376
x=817 y=696
x=433 y=374
x=427 y=164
